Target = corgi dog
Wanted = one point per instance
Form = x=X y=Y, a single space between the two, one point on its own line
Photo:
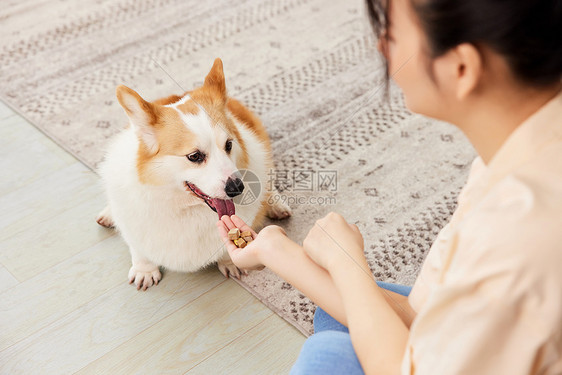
x=176 y=169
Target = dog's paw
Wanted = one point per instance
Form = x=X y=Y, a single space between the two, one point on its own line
x=104 y=218
x=278 y=211
x=228 y=268
x=144 y=277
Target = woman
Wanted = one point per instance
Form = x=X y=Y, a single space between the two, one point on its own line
x=489 y=297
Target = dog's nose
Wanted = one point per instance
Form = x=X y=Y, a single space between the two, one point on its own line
x=234 y=187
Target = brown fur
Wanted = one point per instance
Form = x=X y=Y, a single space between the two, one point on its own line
x=175 y=139
x=148 y=108
x=168 y=100
x=213 y=98
x=249 y=119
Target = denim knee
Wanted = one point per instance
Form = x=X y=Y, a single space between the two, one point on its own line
x=396 y=288
x=327 y=352
x=324 y=322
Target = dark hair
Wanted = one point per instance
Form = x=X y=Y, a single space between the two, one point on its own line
x=527 y=33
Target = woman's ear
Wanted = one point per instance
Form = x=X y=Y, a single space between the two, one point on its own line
x=469 y=69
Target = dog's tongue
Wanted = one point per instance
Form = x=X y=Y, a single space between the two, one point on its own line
x=223 y=206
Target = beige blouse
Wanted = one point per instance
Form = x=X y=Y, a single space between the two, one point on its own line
x=489 y=295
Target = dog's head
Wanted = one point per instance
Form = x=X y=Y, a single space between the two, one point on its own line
x=190 y=142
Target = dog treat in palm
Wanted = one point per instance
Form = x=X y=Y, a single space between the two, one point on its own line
x=240 y=243
x=247 y=236
x=234 y=234
x=240 y=239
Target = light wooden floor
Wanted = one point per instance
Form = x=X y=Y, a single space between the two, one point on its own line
x=65 y=305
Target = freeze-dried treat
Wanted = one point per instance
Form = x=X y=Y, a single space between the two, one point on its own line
x=234 y=234
x=240 y=243
x=240 y=239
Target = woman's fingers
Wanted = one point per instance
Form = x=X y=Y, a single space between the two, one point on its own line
x=236 y=222
x=223 y=229
x=228 y=222
x=239 y=223
x=223 y=232
x=283 y=230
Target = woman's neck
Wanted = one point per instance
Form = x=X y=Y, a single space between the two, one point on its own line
x=491 y=119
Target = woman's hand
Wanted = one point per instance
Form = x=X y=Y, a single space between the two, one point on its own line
x=250 y=257
x=332 y=242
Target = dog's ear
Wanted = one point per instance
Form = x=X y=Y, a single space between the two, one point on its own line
x=215 y=79
x=143 y=115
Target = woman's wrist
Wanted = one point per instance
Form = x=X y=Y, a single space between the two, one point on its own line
x=346 y=264
x=353 y=276
x=277 y=244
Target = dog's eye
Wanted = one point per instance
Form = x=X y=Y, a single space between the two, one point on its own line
x=196 y=157
x=228 y=145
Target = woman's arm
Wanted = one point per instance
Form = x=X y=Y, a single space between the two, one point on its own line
x=378 y=333
x=273 y=249
x=290 y=262
x=293 y=265
x=400 y=305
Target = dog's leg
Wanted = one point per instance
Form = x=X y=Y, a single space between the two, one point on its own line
x=275 y=207
x=143 y=273
x=228 y=268
x=105 y=219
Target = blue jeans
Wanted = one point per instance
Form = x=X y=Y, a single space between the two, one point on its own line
x=329 y=349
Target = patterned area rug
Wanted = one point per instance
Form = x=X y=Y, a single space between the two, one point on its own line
x=307 y=67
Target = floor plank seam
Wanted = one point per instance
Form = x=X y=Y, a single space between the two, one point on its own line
x=11 y=274
x=35 y=178
x=147 y=328
x=230 y=342
x=78 y=203
x=8 y=116
x=60 y=318
x=60 y=262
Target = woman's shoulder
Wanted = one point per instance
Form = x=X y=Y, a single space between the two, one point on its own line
x=529 y=194
x=519 y=220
